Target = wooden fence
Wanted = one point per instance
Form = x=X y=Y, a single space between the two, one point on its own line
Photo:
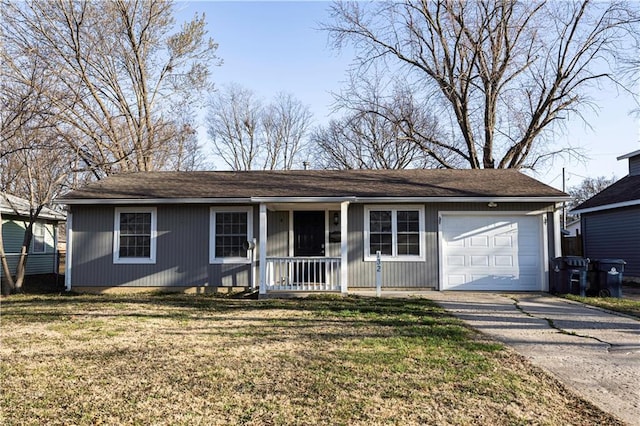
x=572 y=246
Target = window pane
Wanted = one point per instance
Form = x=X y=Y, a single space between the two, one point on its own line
x=408 y=232
x=231 y=233
x=380 y=242
x=380 y=236
x=135 y=235
x=380 y=221
x=408 y=221
x=37 y=235
x=408 y=244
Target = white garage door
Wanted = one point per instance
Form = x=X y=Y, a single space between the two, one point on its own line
x=491 y=253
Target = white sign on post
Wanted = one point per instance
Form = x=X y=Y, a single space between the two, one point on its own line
x=378 y=274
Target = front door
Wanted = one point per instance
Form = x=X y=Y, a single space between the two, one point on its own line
x=309 y=240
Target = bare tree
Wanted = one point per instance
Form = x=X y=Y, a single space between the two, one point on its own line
x=384 y=125
x=37 y=174
x=116 y=69
x=34 y=158
x=233 y=126
x=24 y=105
x=247 y=135
x=587 y=189
x=632 y=71
x=505 y=71
x=363 y=141
x=285 y=123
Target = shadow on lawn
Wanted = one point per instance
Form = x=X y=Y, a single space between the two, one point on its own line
x=407 y=317
x=215 y=303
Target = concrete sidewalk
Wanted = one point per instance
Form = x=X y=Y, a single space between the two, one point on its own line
x=595 y=353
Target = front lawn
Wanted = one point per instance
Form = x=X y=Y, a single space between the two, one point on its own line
x=185 y=359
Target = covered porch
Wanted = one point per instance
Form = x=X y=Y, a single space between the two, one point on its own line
x=303 y=246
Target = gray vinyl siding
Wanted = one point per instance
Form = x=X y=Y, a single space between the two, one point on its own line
x=614 y=234
x=394 y=274
x=182 y=251
x=277 y=233
x=333 y=248
x=13 y=229
x=422 y=274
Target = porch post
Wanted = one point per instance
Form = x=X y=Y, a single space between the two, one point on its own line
x=263 y=248
x=344 y=254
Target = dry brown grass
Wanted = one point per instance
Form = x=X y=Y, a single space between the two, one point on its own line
x=155 y=359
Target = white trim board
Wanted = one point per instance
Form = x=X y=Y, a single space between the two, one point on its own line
x=330 y=200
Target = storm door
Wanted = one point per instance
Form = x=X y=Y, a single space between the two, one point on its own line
x=309 y=242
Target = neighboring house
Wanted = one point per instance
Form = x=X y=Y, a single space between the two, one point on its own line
x=610 y=220
x=313 y=230
x=573 y=228
x=42 y=251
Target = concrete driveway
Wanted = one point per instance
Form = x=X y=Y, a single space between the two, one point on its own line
x=594 y=352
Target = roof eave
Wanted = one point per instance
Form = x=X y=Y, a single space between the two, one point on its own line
x=121 y=201
x=21 y=213
x=463 y=199
x=250 y=200
x=628 y=155
x=629 y=203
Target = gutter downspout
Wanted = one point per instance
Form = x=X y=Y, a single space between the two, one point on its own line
x=56 y=253
x=69 y=255
x=557 y=242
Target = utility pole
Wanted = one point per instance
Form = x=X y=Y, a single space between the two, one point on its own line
x=564 y=203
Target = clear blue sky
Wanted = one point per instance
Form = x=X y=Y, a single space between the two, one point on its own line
x=276 y=46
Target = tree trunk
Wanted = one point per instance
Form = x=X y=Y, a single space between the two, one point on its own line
x=9 y=284
x=21 y=269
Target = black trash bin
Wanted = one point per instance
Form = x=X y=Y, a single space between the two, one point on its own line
x=609 y=274
x=569 y=275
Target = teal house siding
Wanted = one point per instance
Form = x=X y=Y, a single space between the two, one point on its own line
x=13 y=229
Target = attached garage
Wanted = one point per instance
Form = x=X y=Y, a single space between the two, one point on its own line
x=492 y=252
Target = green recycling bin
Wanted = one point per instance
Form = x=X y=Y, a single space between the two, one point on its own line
x=609 y=274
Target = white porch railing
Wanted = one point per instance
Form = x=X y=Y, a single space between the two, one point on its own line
x=303 y=273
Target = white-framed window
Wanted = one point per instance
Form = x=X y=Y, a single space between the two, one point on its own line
x=229 y=231
x=396 y=231
x=134 y=235
x=38 y=238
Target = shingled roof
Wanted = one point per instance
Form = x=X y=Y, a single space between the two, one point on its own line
x=314 y=184
x=16 y=206
x=626 y=191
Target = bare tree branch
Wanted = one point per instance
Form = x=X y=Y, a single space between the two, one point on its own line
x=506 y=71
